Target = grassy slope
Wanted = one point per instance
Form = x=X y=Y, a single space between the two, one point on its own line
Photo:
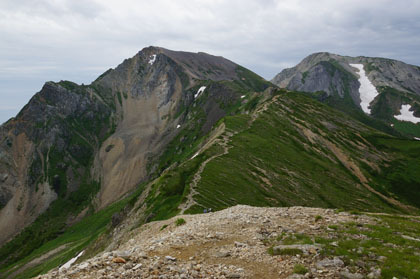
x=76 y=237
x=171 y=188
x=272 y=163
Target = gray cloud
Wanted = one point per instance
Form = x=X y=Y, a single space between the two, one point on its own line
x=78 y=40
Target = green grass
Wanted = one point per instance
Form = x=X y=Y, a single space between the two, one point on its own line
x=296 y=239
x=385 y=239
x=77 y=237
x=284 y=252
x=279 y=166
x=300 y=269
x=180 y=222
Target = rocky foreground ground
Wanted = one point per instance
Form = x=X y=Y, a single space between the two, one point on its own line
x=238 y=242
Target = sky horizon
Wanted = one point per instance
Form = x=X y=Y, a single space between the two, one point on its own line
x=79 y=40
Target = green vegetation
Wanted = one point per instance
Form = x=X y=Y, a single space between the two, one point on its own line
x=300 y=269
x=304 y=75
x=250 y=80
x=76 y=238
x=295 y=239
x=119 y=97
x=280 y=167
x=387 y=245
x=318 y=218
x=180 y=221
x=285 y=251
x=400 y=176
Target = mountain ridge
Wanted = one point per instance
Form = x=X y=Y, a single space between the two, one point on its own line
x=332 y=79
x=168 y=132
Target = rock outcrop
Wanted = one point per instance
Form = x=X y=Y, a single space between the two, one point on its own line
x=232 y=243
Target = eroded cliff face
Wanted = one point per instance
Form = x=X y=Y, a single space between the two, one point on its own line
x=153 y=86
x=73 y=144
x=45 y=153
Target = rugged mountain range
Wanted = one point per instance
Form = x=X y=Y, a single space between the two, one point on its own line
x=74 y=141
x=342 y=80
x=171 y=132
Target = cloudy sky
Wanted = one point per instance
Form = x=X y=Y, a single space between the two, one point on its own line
x=42 y=40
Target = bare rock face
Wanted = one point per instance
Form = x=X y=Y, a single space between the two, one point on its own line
x=331 y=78
x=381 y=72
x=38 y=148
x=153 y=84
x=104 y=136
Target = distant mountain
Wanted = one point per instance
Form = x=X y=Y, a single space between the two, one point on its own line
x=388 y=90
x=168 y=132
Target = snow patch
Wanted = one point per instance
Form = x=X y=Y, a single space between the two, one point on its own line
x=416 y=138
x=367 y=91
x=243 y=96
x=201 y=90
x=152 y=59
x=70 y=262
x=178 y=126
x=407 y=115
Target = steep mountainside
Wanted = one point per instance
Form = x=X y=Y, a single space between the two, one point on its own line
x=168 y=133
x=386 y=89
x=76 y=149
x=73 y=143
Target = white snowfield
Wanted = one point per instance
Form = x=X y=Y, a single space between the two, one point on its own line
x=152 y=59
x=201 y=90
x=407 y=115
x=416 y=138
x=367 y=91
x=70 y=262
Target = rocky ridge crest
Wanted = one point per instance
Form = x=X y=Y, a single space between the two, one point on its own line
x=232 y=243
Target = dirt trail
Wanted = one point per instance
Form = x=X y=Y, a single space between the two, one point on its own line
x=197 y=176
x=223 y=142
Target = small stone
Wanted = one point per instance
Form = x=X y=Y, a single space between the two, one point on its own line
x=170 y=258
x=336 y=262
x=240 y=244
x=137 y=266
x=348 y=275
x=233 y=276
x=375 y=274
x=222 y=254
x=118 y=260
x=123 y=254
